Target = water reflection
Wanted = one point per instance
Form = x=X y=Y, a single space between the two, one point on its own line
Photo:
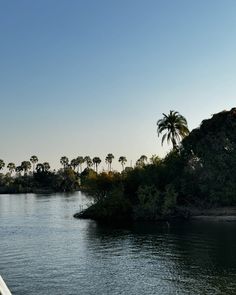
x=184 y=257
x=42 y=242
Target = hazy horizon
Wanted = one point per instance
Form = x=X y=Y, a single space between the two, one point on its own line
x=93 y=77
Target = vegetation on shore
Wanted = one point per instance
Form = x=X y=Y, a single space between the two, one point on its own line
x=199 y=172
x=34 y=177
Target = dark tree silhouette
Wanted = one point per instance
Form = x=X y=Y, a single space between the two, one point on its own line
x=176 y=128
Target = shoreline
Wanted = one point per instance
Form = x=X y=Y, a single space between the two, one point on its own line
x=227 y=214
x=214 y=214
x=218 y=218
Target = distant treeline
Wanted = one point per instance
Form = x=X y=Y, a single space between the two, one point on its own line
x=32 y=176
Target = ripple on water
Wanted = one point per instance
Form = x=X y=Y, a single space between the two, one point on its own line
x=44 y=250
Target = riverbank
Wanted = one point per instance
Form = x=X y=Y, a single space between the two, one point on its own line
x=214 y=214
x=186 y=213
x=30 y=191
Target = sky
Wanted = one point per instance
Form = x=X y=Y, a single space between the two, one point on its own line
x=89 y=77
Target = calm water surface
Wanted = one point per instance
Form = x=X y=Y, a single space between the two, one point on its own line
x=44 y=250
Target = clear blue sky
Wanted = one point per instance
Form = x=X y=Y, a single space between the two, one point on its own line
x=89 y=77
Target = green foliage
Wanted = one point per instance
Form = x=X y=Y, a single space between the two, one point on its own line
x=68 y=180
x=176 y=128
x=108 y=160
x=99 y=185
x=11 y=167
x=153 y=204
x=112 y=208
x=122 y=160
x=34 y=160
x=64 y=162
x=169 y=201
x=96 y=162
x=149 y=203
x=88 y=161
x=209 y=153
x=2 y=164
x=200 y=172
x=26 y=166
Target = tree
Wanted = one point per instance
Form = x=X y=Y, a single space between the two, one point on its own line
x=80 y=161
x=209 y=155
x=69 y=181
x=2 y=164
x=109 y=159
x=96 y=161
x=19 y=170
x=88 y=161
x=46 y=166
x=26 y=165
x=34 y=160
x=74 y=163
x=40 y=168
x=176 y=128
x=11 y=167
x=64 y=162
x=122 y=160
x=141 y=161
x=155 y=160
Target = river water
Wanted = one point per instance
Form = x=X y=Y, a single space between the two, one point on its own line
x=45 y=251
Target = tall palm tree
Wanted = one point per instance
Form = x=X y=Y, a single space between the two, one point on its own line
x=11 y=167
x=143 y=159
x=80 y=161
x=109 y=159
x=176 y=128
x=96 y=162
x=34 y=160
x=40 y=167
x=19 y=170
x=74 y=163
x=26 y=165
x=2 y=164
x=155 y=160
x=46 y=166
x=64 y=162
x=122 y=160
x=88 y=161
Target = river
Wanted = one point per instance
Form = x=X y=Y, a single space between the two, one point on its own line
x=45 y=251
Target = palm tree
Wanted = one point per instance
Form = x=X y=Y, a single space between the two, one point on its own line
x=96 y=161
x=109 y=159
x=40 y=168
x=64 y=162
x=138 y=163
x=176 y=128
x=123 y=160
x=80 y=161
x=143 y=159
x=19 y=170
x=74 y=163
x=88 y=161
x=155 y=160
x=26 y=165
x=2 y=164
x=34 y=160
x=46 y=166
x=11 y=167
